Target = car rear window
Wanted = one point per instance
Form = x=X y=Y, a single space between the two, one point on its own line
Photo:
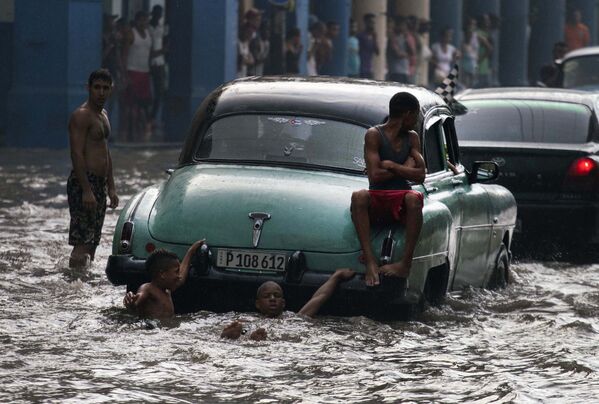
x=524 y=121
x=285 y=139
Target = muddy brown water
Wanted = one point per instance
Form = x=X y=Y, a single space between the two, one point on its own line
x=64 y=336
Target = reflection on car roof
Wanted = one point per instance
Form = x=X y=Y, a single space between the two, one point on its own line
x=587 y=51
x=531 y=93
x=359 y=100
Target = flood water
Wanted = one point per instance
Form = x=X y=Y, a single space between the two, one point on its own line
x=64 y=336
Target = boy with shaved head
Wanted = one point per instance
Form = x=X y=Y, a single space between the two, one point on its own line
x=270 y=302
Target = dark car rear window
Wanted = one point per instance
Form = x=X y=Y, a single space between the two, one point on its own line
x=524 y=121
x=285 y=139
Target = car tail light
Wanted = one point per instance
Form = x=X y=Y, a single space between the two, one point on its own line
x=200 y=262
x=581 y=167
x=583 y=176
x=126 y=235
x=296 y=266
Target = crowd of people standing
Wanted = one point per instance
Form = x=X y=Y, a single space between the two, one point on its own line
x=134 y=53
x=409 y=57
x=254 y=56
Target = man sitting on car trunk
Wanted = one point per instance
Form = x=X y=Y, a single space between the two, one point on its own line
x=392 y=155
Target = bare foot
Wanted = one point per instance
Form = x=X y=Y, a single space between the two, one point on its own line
x=372 y=274
x=399 y=269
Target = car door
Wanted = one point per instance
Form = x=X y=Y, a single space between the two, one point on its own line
x=475 y=228
x=439 y=183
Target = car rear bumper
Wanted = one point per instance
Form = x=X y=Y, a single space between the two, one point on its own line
x=222 y=290
x=575 y=222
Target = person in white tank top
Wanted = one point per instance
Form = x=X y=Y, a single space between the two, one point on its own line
x=444 y=55
x=138 y=95
x=140 y=46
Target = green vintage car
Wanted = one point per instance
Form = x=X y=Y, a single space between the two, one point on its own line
x=266 y=176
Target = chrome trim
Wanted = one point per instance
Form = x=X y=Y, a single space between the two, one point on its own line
x=259 y=218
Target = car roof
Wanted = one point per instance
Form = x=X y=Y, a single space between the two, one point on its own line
x=587 y=51
x=531 y=93
x=358 y=100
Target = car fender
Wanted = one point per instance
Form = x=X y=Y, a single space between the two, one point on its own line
x=502 y=212
x=137 y=210
x=431 y=248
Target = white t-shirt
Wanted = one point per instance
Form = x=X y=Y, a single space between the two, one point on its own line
x=139 y=53
x=444 y=59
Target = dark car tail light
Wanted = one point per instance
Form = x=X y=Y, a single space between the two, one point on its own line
x=126 y=235
x=200 y=262
x=582 y=167
x=296 y=267
x=583 y=176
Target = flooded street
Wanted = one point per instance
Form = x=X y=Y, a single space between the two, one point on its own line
x=65 y=336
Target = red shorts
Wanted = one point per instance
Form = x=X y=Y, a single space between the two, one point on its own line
x=138 y=90
x=387 y=206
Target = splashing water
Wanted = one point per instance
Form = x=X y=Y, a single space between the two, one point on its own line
x=65 y=336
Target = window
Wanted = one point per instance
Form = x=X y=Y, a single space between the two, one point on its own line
x=493 y=120
x=434 y=153
x=285 y=139
x=451 y=143
x=524 y=121
x=560 y=122
x=581 y=72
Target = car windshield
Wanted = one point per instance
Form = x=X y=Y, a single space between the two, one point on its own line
x=581 y=73
x=285 y=139
x=524 y=121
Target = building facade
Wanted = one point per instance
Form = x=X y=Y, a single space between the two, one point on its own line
x=50 y=47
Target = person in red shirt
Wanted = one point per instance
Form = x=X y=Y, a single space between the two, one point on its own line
x=576 y=33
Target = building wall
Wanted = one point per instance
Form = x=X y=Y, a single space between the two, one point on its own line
x=49 y=67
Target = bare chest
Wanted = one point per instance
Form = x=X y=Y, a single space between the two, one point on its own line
x=99 y=130
x=161 y=305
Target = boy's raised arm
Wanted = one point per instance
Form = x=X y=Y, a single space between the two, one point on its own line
x=325 y=292
x=187 y=261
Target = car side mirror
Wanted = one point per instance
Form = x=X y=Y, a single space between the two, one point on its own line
x=169 y=171
x=483 y=171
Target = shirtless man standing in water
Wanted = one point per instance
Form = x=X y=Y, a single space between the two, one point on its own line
x=91 y=178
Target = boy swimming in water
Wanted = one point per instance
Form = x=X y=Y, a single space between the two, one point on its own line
x=270 y=302
x=153 y=299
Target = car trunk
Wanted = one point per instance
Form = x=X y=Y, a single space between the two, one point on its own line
x=535 y=172
x=309 y=209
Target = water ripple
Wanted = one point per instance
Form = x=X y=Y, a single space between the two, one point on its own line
x=64 y=336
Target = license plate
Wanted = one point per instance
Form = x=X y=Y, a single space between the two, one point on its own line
x=251 y=260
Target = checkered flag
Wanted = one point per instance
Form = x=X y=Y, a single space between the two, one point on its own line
x=447 y=87
x=447 y=90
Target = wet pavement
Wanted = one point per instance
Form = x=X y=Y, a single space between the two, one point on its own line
x=66 y=338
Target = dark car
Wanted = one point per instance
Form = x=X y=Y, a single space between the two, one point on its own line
x=266 y=176
x=546 y=142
